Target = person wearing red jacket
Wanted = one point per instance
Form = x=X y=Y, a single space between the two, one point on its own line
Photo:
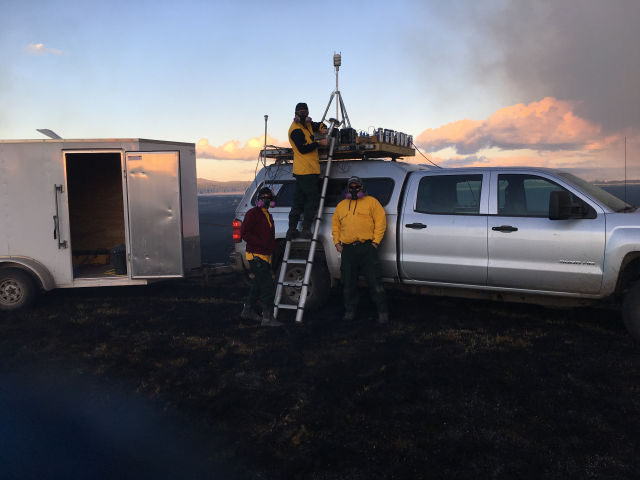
x=260 y=234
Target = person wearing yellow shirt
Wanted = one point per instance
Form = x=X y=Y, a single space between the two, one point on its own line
x=358 y=226
x=306 y=170
x=260 y=234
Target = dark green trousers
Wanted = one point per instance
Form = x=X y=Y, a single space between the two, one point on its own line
x=306 y=199
x=362 y=259
x=263 y=287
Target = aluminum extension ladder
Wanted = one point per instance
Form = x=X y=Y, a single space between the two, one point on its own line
x=333 y=131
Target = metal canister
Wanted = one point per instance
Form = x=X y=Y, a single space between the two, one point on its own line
x=380 y=135
x=391 y=136
x=410 y=141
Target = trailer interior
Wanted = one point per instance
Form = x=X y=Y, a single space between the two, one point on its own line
x=96 y=212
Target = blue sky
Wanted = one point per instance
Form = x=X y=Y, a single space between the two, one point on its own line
x=208 y=72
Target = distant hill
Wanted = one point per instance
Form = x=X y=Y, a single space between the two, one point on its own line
x=615 y=182
x=211 y=186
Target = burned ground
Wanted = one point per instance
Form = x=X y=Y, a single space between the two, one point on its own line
x=449 y=389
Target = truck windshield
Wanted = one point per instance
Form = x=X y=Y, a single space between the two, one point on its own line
x=611 y=201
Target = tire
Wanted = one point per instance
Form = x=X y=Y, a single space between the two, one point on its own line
x=631 y=310
x=17 y=289
x=319 y=284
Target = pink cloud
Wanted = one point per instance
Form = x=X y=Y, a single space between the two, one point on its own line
x=547 y=125
x=233 y=151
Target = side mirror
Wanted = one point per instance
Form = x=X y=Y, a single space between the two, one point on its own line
x=561 y=208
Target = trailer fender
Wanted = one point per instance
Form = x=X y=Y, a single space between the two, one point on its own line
x=32 y=266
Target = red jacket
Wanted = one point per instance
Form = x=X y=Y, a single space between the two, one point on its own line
x=255 y=230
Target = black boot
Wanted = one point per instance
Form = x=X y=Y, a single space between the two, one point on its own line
x=292 y=233
x=383 y=318
x=269 y=321
x=249 y=314
x=306 y=234
x=349 y=316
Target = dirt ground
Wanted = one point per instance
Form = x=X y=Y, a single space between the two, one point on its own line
x=449 y=389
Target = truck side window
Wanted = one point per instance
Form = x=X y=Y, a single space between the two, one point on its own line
x=379 y=188
x=449 y=194
x=284 y=197
x=526 y=195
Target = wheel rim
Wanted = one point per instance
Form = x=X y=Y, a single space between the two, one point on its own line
x=296 y=274
x=11 y=291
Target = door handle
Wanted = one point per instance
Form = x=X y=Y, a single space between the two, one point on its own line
x=415 y=226
x=56 y=219
x=504 y=228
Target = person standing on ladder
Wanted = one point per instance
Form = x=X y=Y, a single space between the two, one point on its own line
x=358 y=225
x=306 y=170
x=260 y=234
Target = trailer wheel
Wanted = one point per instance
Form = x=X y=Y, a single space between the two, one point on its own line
x=319 y=285
x=17 y=289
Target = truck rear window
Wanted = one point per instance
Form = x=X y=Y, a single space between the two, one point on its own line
x=449 y=194
x=379 y=188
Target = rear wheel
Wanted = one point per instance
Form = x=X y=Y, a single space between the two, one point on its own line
x=319 y=285
x=17 y=289
x=631 y=310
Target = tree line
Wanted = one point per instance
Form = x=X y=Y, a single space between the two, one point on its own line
x=211 y=186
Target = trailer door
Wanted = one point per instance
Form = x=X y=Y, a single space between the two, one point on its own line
x=154 y=214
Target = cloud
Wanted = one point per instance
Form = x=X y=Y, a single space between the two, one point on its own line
x=547 y=125
x=233 y=151
x=40 y=49
x=470 y=161
x=585 y=51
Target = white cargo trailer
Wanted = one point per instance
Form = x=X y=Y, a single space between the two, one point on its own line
x=64 y=204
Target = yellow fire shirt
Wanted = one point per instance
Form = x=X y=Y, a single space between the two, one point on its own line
x=358 y=221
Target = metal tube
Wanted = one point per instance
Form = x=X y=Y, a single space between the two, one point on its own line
x=264 y=158
x=344 y=111
x=327 y=109
x=283 y=271
x=312 y=249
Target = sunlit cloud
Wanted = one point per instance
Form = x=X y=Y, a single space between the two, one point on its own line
x=40 y=49
x=232 y=150
x=547 y=125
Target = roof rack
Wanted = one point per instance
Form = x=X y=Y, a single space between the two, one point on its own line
x=354 y=151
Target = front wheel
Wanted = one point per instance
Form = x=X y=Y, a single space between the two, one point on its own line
x=631 y=310
x=319 y=284
x=17 y=289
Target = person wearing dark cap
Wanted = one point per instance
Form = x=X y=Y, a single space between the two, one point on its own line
x=259 y=232
x=306 y=170
x=358 y=225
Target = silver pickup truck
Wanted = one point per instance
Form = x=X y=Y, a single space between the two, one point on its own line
x=526 y=234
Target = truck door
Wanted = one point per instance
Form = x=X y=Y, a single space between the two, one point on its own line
x=443 y=232
x=529 y=251
x=154 y=214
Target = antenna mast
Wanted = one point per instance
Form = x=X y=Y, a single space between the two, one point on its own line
x=340 y=108
x=625 y=170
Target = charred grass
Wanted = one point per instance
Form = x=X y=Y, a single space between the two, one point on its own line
x=449 y=389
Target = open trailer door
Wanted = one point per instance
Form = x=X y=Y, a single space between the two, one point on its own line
x=154 y=214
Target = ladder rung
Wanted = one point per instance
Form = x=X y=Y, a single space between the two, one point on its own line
x=300 y=240
x=296 y=260
x=288 y=307
x=292 y=284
